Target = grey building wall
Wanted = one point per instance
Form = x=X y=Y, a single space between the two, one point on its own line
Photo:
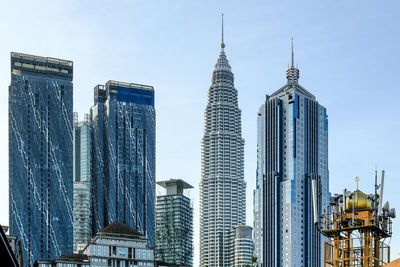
x=296 y=151
x=40 y=155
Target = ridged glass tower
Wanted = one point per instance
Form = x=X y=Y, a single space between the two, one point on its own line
x=222 y=186
x=40 y=155
x=123 y=157
x=294 y=129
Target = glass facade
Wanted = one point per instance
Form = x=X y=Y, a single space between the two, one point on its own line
x=295 y=151
x=41 y=156
x=82 y=172
x=123 y=149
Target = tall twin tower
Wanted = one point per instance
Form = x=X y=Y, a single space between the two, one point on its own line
x=222 y=186
x=292 y=150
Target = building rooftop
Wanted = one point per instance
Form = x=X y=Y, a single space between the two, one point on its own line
x=179 y=182
x=120 y=228
x=46 y=66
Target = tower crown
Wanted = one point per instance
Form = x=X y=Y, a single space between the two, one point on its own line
x=292 y=73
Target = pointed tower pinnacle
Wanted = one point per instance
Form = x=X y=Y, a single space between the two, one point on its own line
x=222 y=33
x=292 y=74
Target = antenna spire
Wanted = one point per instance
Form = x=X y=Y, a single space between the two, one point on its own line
x=222 y=34
x=292 y=54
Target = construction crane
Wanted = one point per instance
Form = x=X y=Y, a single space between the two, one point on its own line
x=356 y=226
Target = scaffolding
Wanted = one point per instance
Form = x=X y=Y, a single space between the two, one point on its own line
x=356 y=226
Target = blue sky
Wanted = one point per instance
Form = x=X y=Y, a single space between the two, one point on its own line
x=347 y=53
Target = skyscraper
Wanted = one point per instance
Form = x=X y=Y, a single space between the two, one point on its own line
x=174 y=224
x=40 y=155
x=295 y=151
x=123 y=157
x=258 y=192
x=82 y=173
x=222 y=186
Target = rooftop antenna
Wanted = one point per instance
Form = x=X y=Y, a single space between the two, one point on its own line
x=222 y=43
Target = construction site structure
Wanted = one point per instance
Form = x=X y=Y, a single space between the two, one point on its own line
x=356 y=225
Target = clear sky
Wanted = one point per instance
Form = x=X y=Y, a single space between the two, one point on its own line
x=347 y=53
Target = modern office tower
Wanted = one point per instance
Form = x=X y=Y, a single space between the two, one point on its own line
x=222 y=186
x=40 y=155
x=123 y=157
x=82 y=170
x=243 y=246
x=295 y=151
x=258 y=193
x=119 y=245
x=174 y=224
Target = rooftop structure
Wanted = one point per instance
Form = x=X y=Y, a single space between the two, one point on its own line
x=357 y=225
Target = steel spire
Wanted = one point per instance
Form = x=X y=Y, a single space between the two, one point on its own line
x=222 y=33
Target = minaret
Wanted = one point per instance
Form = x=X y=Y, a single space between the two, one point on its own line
x=222 y=186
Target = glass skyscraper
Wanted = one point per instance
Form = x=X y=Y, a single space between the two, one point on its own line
x=123 y=157
x=40 y=155
x=82 y=173
x=222 y=186
x=293 y=151
x=174 y=224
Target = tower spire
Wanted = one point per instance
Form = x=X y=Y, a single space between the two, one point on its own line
x=292 y=74
x=292 y=54
x=222 y=33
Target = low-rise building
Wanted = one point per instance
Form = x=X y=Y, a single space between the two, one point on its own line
x=243 y=246
x=118 y=245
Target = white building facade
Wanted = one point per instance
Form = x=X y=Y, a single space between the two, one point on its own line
x=222 y=186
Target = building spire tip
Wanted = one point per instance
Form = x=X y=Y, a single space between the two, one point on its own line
x=222 y=34
x=292 y=54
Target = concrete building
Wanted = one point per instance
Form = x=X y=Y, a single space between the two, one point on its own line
x=119 y=245
x=222 y=185
x=243 y=246
x=123 y=157
x=294 y=152
x=40 y=156
x=174 y=224
x=82 y=173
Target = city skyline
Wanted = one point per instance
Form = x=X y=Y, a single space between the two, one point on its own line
x=354 y=50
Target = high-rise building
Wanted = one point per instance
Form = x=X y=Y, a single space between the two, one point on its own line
x=123 y=157
x=82 y=172
x=40 y=155
x=258 y=193
x=174 y=224
x=243 y=246
x=294 y=151
x=222 y=186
